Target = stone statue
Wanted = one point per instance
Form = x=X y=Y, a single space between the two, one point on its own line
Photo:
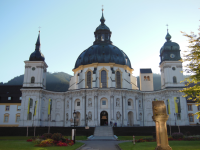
x=117 y=103
x=89 y=103
x=90 y=116
x=66 y=116
x=67 y=104
x=118 y=115
x=160 y=117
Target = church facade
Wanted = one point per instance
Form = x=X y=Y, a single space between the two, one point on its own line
x=103 y=89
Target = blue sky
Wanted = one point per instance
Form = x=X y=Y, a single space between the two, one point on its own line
x=67 y=29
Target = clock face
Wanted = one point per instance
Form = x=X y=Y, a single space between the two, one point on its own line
x=172 y=55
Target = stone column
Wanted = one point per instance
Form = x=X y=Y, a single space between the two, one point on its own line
x=160 y=117
x=96 y=110
x=124 y=111
x=83 y=111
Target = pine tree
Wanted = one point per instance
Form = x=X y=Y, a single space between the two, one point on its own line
x=192 y=59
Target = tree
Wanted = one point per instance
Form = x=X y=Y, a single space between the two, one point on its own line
x=192 y=59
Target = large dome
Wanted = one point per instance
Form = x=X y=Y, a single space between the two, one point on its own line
x=102 y=51
x=102 y=54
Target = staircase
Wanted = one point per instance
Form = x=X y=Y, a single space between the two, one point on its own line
x=103 y=133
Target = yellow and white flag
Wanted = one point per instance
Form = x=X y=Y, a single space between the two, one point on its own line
x=28 y=105
x=49 y=107
x=176 y=105
x=35 y=108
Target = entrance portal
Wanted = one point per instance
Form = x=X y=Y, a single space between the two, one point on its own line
x=104 y=118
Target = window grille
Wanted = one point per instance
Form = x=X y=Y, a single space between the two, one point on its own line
x=6 y=119
x=129 y=103
x=118 y=79
x=174 y=80
x=103 y=79
x=103 y=102
x=7 y=108
x=32 y=79
x=89 y=79
x=31 y=103
x=78 y=103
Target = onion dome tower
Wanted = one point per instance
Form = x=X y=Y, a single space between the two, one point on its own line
x=170 y=51
x=37 y=55
x=102 y=50
x=35 y=69
x=170 y=65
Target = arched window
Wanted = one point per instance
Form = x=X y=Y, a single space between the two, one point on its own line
x=144 y=78
x=118 y=78
x=148 y=78
x=174 y=79
x=89 y=79
x=32 y=79
x=103 y=79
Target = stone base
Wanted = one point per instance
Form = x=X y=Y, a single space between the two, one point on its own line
x=163 y=148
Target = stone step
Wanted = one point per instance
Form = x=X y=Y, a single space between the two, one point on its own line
x=103 y=131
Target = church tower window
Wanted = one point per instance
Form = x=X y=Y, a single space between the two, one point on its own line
x=174 y=79
x=148 y=78
x=144 y=78
x=104 y=79
x=89 y=79
x=118 y=78
x=32 y=79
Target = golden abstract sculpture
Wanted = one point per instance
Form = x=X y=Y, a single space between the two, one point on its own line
x=160 y=117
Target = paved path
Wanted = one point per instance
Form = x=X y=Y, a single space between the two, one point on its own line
x=101 y=145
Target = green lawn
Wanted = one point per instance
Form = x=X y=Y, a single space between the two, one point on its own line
x=131 y=137
x=23 y=145
x=175 y=145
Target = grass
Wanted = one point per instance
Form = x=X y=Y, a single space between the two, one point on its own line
x=175 y=145
x=26 y=138
x=23 y=145
x=131 y=137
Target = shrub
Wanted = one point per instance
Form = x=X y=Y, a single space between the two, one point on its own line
x=63 y=139
x=177 y=135
x=47 y=135
x=37 y=141
x=188 y=133
x=57 y=136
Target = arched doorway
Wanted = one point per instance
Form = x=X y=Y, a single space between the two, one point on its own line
x=104 y=118
x=130 y=118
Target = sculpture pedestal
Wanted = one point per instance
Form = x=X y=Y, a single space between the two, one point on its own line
x=160 y=117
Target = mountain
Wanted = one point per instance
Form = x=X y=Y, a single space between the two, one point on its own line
x=58 y=81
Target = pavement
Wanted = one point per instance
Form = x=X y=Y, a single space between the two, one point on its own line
x=101 y=145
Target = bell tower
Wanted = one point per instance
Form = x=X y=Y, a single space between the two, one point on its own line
x=35 y=68
x=170 y=64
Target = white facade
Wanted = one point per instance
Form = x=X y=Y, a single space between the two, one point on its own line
x=35 y=70
x=10 y=113
x=171 y=74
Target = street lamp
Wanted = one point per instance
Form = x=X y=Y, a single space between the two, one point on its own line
x=74 y=114
x=86 y=117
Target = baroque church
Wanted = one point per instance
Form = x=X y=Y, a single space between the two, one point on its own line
x=103 y=89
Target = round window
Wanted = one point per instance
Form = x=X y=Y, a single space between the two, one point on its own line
x=33 y=68
x=173 y=68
